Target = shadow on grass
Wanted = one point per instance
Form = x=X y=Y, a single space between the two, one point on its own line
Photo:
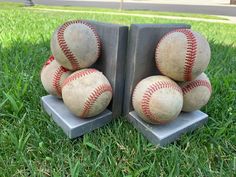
x=20 y=83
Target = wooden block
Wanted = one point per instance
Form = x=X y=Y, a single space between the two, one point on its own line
x=72 y=126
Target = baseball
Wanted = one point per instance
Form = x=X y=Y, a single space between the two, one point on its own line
x=86 y=92
x=75 y=45
x=52 y=76
x=157 y=99
x=182 y=54
x=196 y=93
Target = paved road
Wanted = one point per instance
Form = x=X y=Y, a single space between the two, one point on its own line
x=203 y=9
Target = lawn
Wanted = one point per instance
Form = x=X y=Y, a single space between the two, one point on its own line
x=31 y=144
x=143 y=12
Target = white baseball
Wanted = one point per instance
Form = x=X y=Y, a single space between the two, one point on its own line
x=182 y=54
x=76 y=45
x=52 y=76
x=157 y=99
x=86 y=92
x=196 y=93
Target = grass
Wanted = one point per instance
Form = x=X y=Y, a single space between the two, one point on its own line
x=32 y=145
x=192 y=15
x=141 y=12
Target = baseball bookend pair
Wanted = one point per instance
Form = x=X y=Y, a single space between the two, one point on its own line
x=181 y=55
x=75 y=46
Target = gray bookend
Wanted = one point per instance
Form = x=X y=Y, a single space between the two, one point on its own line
x=140 y=64
x=111 y=63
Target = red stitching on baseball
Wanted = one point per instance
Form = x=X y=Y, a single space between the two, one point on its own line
x=50 y=59
x=77 y=75
x=148 y=94
x=190 y=53
x=64 y=47
x=98 y=41
x=56 y=79
x=94 y=96
x=187 y=88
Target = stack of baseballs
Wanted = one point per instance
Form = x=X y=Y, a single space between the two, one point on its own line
x=181 y=57
x=75 y=46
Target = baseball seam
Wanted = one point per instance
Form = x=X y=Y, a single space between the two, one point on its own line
x=64 y=46
x=50 y=59
x=98 y=41
x=187 y=88
x=94 y=96
x=148 y=94
x=75 y=76
x=190 y=53
x=56 y=79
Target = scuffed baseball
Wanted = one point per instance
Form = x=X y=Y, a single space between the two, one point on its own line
x=76 y=45
x=182 y=54
x=157 y=99
x=52 y=76
x=196 y=93
x=86 y=93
